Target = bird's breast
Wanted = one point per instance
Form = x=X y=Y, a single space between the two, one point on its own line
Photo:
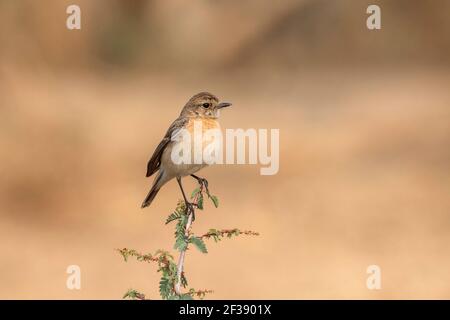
x=205 y=123
x=190 y=148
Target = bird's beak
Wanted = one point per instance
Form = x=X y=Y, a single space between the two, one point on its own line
x=223 y=105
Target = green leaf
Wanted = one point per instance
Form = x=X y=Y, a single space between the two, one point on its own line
x=200 y=202
x=164 y=288
x=173 y=216
x=180 y=244
x=186 y=296
x=215 y=200
x=196 y=190
x=133 y=294
x=214 y=234
x=199 y=243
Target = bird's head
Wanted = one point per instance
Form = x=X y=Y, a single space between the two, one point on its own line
x=204 y=105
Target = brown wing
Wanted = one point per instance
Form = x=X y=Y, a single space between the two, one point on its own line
x=155 y=161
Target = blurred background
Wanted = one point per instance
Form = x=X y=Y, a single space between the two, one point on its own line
x=364 y=152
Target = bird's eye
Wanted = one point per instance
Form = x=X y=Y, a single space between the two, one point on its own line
x=206 y=105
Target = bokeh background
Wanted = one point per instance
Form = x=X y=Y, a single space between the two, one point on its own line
x=364 y=152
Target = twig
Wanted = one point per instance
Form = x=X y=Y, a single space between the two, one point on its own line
x=217 y=234
x=180 y=264
x=173 y=277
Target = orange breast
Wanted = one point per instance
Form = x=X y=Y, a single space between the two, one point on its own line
x=207 y=124
x=210 y=124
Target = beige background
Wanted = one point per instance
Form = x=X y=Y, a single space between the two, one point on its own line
x=364 y=151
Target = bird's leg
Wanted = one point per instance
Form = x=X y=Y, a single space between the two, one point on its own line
x=201 y=182
x=189 y=205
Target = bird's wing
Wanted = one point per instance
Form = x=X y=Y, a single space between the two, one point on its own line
x=155 y=161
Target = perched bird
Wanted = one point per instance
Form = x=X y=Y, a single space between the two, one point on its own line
x=204 y=107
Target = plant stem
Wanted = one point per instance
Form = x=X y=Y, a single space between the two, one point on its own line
x=180 y=265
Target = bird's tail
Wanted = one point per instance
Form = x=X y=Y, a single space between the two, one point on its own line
x=153 y=192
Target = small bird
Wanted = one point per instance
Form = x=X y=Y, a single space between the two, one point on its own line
x=204 y=107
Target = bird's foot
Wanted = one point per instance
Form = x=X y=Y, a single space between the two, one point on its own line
x=204 y=183
x=201 y=181
x=190 y=209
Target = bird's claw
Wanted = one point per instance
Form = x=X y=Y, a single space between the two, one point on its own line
x=190 y=209
x=204 y=182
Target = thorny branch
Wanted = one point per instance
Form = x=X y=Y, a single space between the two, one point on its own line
x=172 y=274
x=191 y=213
x=218 y=234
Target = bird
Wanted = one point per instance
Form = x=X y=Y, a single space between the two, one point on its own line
x=204 y=107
